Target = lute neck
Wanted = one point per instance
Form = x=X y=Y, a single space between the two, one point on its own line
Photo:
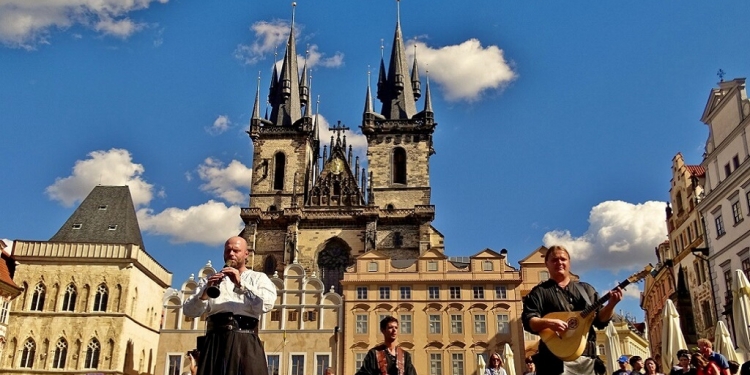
x=602 y=300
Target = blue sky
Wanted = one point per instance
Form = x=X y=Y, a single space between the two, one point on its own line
x=557 y=121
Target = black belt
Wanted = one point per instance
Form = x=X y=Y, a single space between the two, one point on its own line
x=230 y=322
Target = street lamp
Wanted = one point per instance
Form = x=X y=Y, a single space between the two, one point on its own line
x=702 y=253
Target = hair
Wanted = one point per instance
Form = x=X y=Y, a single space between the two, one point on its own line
x=387 y=320
x=499 y=358
x=683 y=352
x=635 y=359
x=528 y=360
x=734 y=366
x=698 y=360
x=705 y=342
x=554 y=248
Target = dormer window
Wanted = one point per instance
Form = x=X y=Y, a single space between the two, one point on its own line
x=112 y=227
x=77 y=226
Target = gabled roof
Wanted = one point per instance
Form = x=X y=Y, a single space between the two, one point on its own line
x=107 y=215
x=718 y=94
x=539 y=252
x=487 y=253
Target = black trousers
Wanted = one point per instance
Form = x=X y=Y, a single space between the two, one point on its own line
x=232 y=351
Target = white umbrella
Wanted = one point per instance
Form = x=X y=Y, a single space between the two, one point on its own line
x=723 y=342
x=671 y=335
x=612 y=350
x=510 y=364
x=741 y=312
x=481 y=365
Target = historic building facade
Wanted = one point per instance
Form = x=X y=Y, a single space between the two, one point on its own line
x=91 y=295
x=657 y=288
x=727 y=189
x=450 y=310
x=301 y=335
x=630 y=335
x=8 y=291
x=692 y=296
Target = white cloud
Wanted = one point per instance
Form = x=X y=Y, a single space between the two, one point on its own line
x=210 y=223
x=114 y=167
x=463 y=71
x=621 y=235
x=632 y=291
x=27 y=23
x=225 y=182
x=271 y=37
x=220 y=125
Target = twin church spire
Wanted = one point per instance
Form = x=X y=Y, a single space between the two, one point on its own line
x=289 y=95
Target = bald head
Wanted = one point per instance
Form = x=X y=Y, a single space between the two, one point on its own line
x=235 y=252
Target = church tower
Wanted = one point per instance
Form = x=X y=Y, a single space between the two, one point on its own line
x=311 y=202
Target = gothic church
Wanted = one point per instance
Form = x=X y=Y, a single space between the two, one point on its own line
x=311 y=203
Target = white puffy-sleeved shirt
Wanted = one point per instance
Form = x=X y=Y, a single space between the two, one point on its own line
x=255 y=296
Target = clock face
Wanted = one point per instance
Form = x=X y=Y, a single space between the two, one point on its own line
x=336 y=166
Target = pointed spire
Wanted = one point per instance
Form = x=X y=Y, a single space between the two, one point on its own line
x=325 y=153
x=287 y=107
x=370 y=192
x=350 y=156
x=416 y=85
x=399 y=103
x=303 y=87
x=274 y=80
x=368 y=96
x=316 y=129
x=356 y=168
x=308 y=106
x=381 y=94
x=427 y=96
x=256 y=105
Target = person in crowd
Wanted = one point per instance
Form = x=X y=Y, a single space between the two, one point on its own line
x=561 y=293
x=707 y=349
x=636 y=363
x=496 y=365
x=231 y=345
x=387 y=358
x=651 y=367
x=623 y=363
x=683 y=367
x=745 y=368
x=703 y=366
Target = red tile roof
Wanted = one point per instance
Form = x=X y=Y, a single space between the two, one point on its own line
x=7 y=269
x=696 y=170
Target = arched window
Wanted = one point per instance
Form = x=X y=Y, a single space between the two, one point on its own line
x=27 y=355
x=69 y=299
x=399 y=165
x=100 y=300
x=269 y=265
x=279 y=163
x=37 y=299
x=332 y=262
x=92 y=354
x=61 y=354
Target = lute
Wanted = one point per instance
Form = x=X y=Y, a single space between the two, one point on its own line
x=569 y=345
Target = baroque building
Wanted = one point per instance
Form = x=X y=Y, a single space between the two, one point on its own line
x=311 y=202
x=91 y=295
x=301 y=335
x=450 y=310
x=727 y=190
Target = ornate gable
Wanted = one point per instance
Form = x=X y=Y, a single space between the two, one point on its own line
x=337 y=184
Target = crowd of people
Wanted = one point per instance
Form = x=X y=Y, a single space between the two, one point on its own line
x=703 y=361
